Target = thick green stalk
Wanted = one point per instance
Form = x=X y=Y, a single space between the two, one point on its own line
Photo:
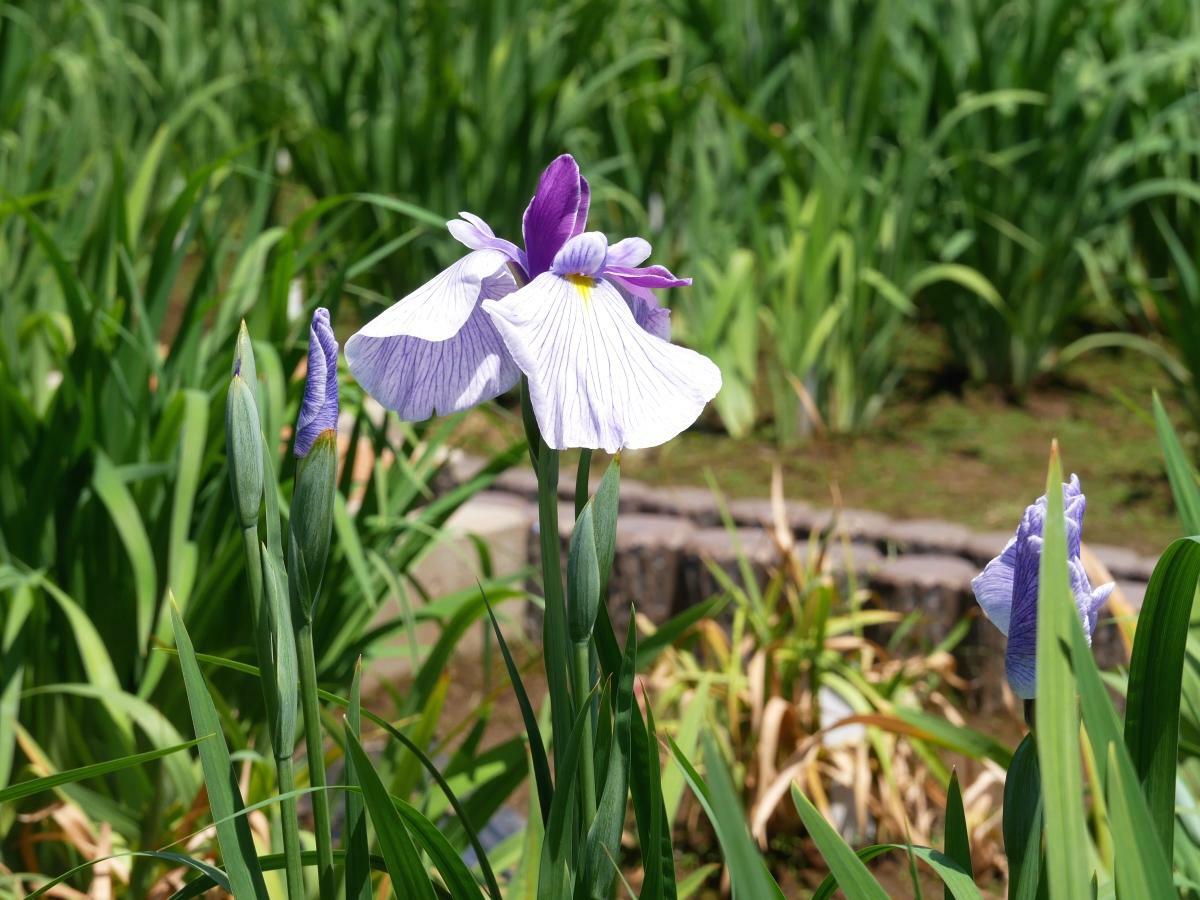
x=294 y=871
x=555 y=643
x=285 y=779
x=316 y=757
x=587 y=761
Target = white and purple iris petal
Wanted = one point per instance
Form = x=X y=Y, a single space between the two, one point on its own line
x=1007 y=588
x=599 y=377
x=319 y=408
x=435 y=352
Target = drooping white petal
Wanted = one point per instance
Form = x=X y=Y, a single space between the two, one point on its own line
x=440 y=307
x=596 y=378
x=408 y=366
x=994 y=586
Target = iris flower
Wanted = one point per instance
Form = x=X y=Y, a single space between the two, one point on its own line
x=319 y=408
x=571 y=312
x=1007 y=589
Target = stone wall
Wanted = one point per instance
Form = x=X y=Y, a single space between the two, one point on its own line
x=669 y=536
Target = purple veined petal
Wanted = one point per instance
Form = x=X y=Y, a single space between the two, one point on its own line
x=647 y=276
x=651 y=315
x=474 y=233
x=1089 y=602
x=994 y=587
x=1094 y=603
x=553 y=215
x=408 y=366
x=319 y=408
x=441 y=306
x=1074 y=504
x=583 y=254
x=1020 y=655
x=630 y=252
x=596 y=379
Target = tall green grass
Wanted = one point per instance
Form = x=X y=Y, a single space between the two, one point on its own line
x=1022 y=174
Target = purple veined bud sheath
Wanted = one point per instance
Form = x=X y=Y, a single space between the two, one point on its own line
x=244 y=450
x=311 y=521
x=319 y=408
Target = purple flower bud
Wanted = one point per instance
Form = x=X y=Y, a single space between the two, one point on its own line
x=1007 y=589
x=319 y=409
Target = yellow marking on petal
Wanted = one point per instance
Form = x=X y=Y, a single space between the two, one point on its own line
x=583 y=284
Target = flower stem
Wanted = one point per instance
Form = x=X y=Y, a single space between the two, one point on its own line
x=554 y=624
x=285 y=778
x=316 y=757
x=587 y=764
x=291 y=829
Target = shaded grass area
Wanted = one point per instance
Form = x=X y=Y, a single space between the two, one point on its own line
x=955 y=451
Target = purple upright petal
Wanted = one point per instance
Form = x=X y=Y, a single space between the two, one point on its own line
x=557 y=212
x=319 y=408
x=585 y=202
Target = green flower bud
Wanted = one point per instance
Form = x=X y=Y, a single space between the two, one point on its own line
x=583 y=578
x=311 y=521
x=243 y=357
x=244 y=450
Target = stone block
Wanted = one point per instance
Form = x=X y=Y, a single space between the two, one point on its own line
x=648 y=568
x=930 y=536
x=723 y=548
x=938 y=586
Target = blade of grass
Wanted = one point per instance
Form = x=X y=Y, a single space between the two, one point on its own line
x=213 y=876
x=270 y=862
x=124 y=512
x=409 y=878
x=604 y=834
x=48 y=782
x=1023 y=821
x=224 y=798
x=559 y=856
x=1155 y=680
x=747 y=870
x=958 y=840
x=358 y=872
x=537 y=749
x=1056 y=714
x=398 y=735
x=844 y=864
x=1180 y=472
x=958 y=883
